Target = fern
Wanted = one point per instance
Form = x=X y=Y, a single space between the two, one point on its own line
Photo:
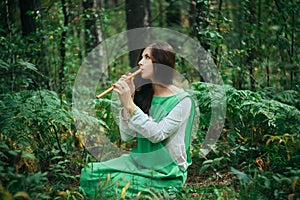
x=259 y=134
x=33 y=118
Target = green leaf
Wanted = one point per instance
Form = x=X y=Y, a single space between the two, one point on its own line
x=242 y=176
x=28 y=65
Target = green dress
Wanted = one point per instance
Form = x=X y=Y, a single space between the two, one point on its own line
x=148 y=167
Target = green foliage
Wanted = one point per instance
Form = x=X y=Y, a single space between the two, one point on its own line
x=32 y=183
x=260 y=138
x=32 y=115
x=105 y=109
x=289 y=97
x=37 y=145
x=18 y=75
x=259 y=141
x=257 y=154
x=247 y=112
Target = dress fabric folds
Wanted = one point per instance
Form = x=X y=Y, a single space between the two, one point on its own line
x=148 y=167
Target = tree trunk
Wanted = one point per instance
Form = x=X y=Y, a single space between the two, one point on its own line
x=268 y=73
x=240 y=75
x=135 y=18
x=61 y=73
x=161 y=10
x=285 y=31
x=148 y=16
x=91 y=34
x=199 y=21
x=4 y=16
x=174 y=13
x=218 y=21
x=9 y=15
x=293 y=71
x=251 y=19
x=28 y=15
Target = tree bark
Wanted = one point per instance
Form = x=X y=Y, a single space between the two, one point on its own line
x=173 y=13
x=61 y=73
x=91 y=34
x=135 y=18
x=199 y=21
x=218 y=21
x=251 y=19
x=148 y=16
x=4 y=16
x=28 y=14
x=240 y=75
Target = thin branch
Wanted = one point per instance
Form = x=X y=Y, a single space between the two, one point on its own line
x=63 y=46
x=285 y=27
x=57 y=138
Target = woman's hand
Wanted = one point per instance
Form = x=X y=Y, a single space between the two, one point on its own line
x=130 y=83
x=125 y=89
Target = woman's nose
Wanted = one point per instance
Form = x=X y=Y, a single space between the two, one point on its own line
x=140 y=63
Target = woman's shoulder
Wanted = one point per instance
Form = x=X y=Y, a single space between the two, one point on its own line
x=169 y=91
x=175 y=89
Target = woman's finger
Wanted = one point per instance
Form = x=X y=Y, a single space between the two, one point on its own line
x=122 y=86
x=123 y=77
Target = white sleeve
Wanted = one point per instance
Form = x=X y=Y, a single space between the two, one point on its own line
x=126 y=133
x=159 y=131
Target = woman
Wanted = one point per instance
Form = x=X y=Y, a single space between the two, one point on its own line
x=159 y=117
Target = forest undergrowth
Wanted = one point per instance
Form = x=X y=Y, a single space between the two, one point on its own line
x=256 y=156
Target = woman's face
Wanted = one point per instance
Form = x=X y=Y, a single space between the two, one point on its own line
x=146 y=64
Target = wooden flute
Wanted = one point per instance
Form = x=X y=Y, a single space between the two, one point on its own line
x=112 y=87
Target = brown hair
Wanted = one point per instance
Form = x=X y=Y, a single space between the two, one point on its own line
x=163 y=59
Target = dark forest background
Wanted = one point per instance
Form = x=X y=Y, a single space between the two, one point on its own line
x=255 y=45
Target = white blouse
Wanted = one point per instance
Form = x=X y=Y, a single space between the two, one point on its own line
x=171 y=128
